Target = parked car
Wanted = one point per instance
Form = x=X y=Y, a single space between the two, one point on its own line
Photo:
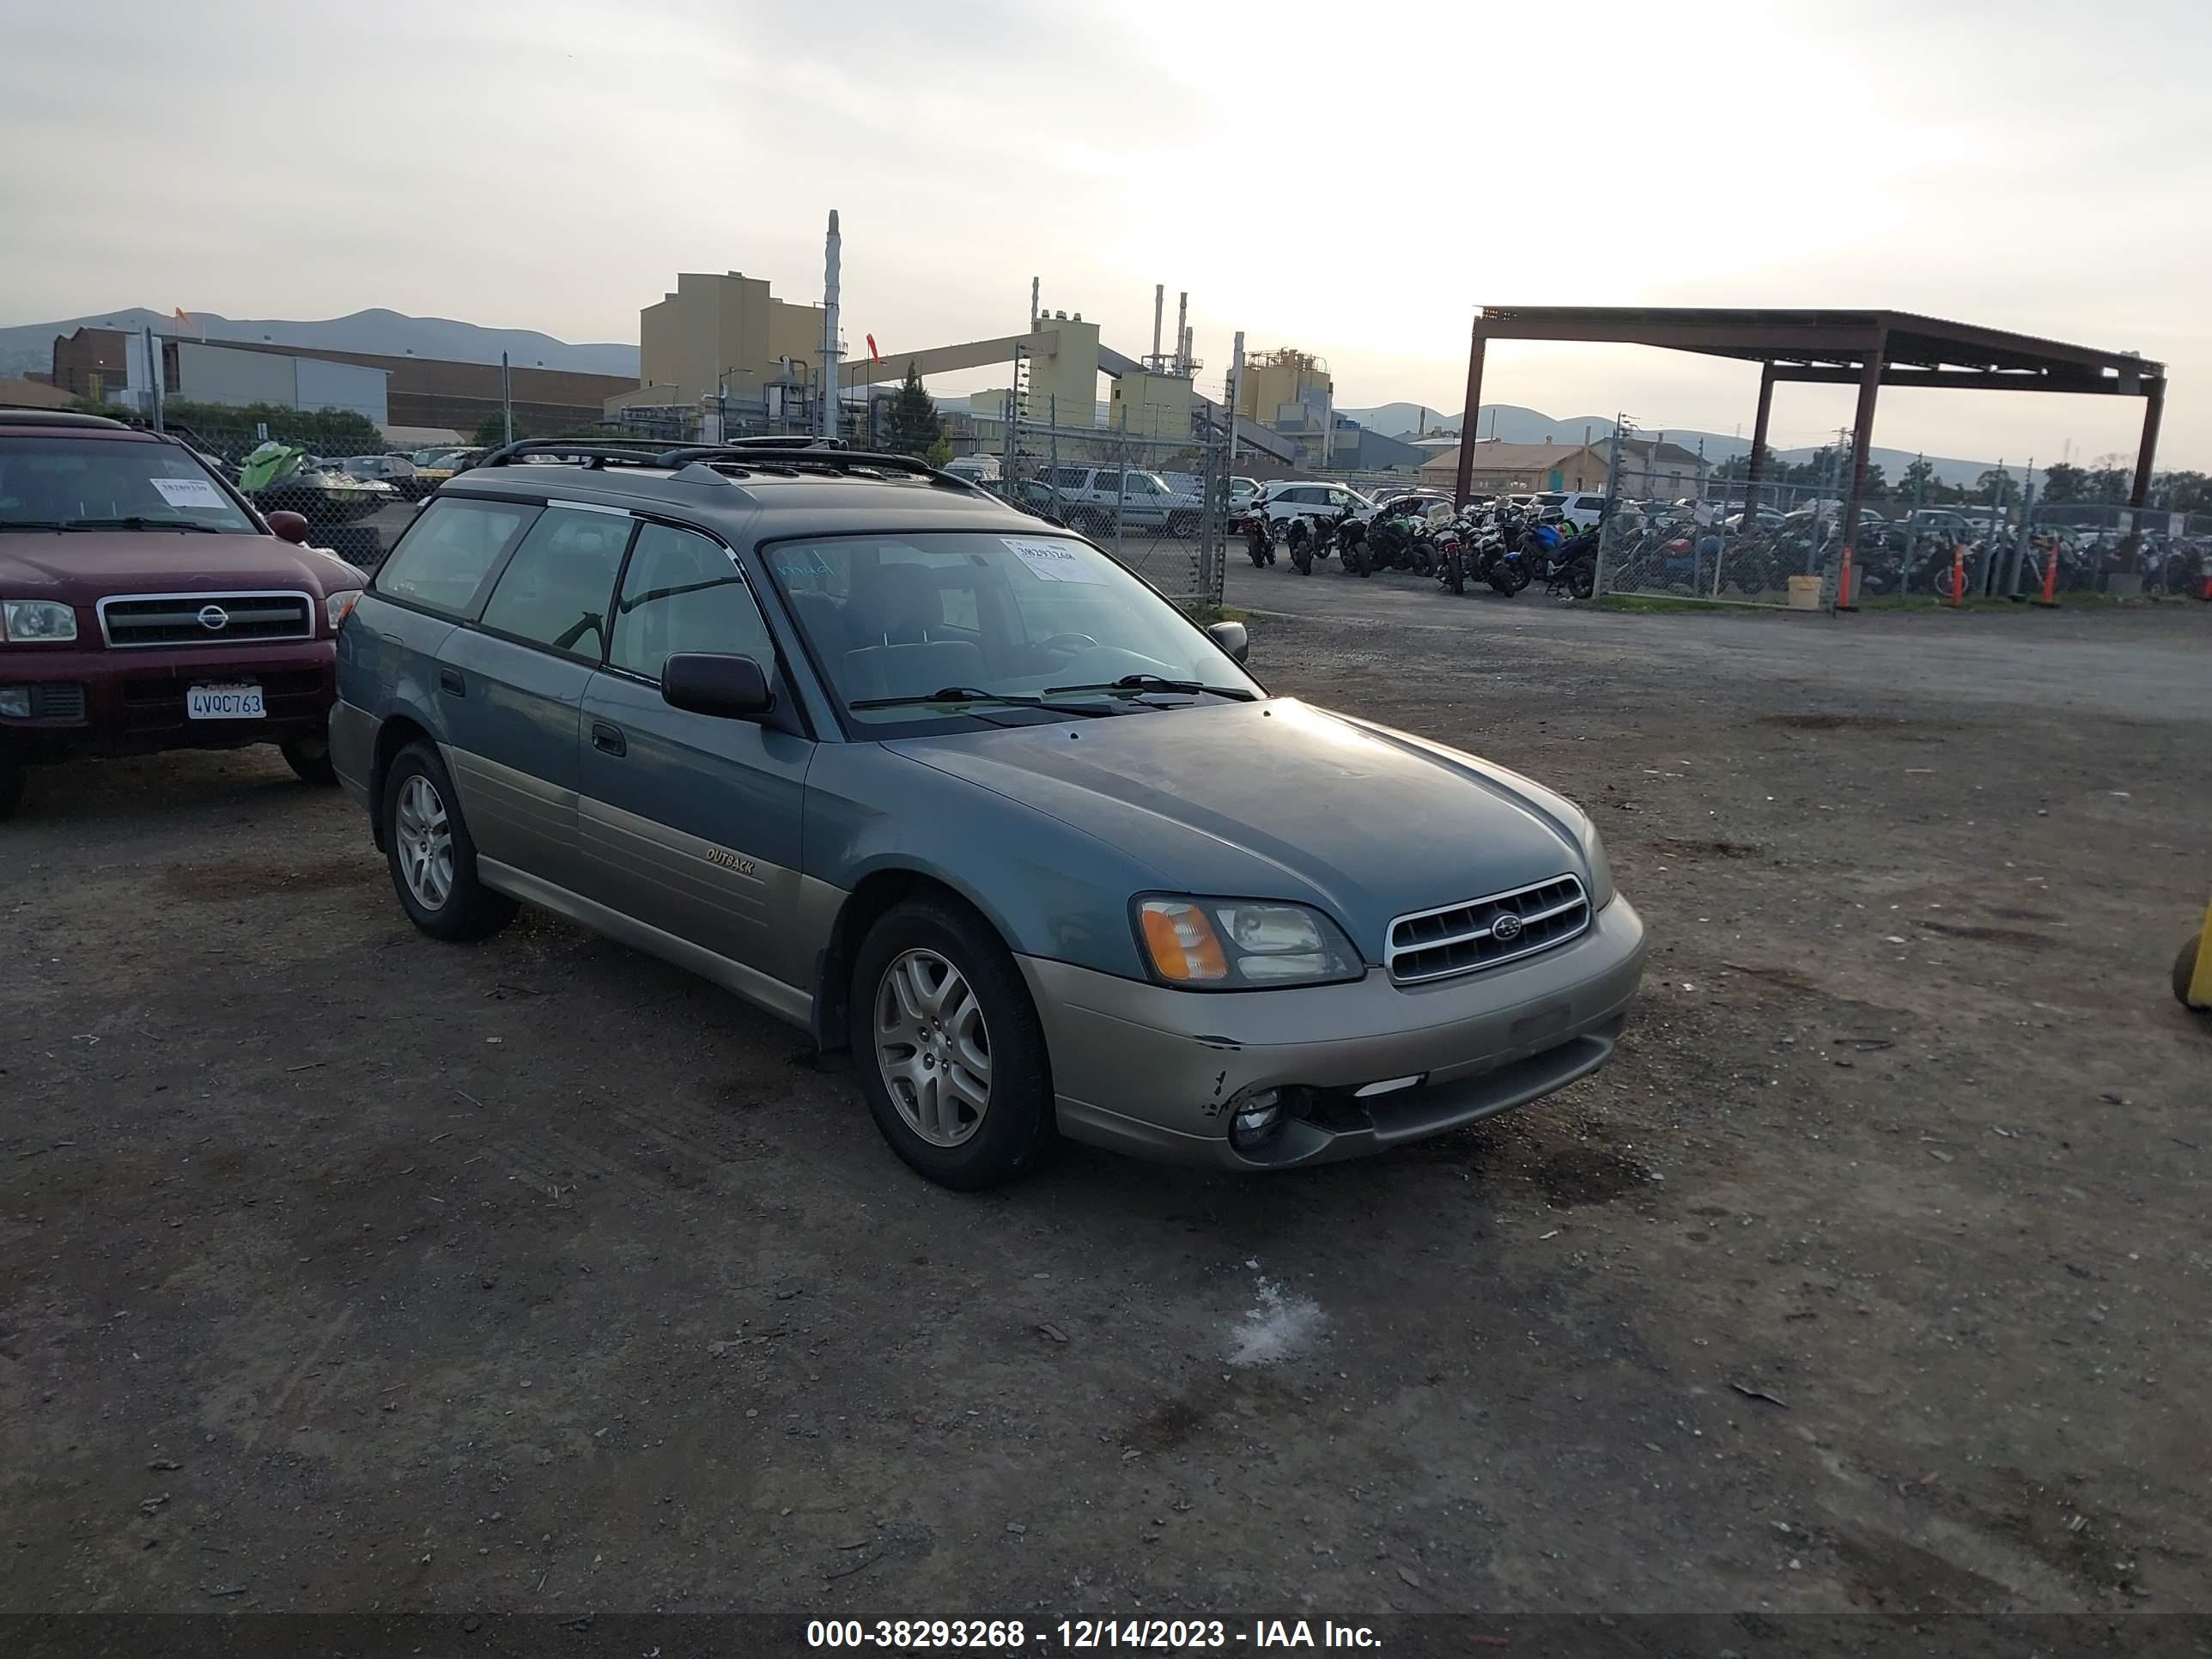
x=1287 y=499
x=976 y=469
x=146 y=604
x=1091 y=497
x=964 y=794
x=1582 y=509
x=407 y=481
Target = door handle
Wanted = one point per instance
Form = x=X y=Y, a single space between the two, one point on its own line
x=449 y=679
x=608 y=739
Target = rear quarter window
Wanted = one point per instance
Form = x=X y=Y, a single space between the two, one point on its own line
x=441 y=561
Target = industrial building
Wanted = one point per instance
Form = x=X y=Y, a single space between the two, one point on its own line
x=1507 y=467
x=412 y=392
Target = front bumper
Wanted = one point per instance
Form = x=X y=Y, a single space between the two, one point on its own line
x=96 y=701
x=1158 y=1073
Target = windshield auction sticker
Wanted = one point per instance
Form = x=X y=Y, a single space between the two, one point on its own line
x=190 y=492
x=1055 y=562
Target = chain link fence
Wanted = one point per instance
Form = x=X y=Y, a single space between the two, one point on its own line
x=1156 y=504
x=1780 y=548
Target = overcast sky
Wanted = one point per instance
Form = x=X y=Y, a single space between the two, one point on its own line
x=1349 y=178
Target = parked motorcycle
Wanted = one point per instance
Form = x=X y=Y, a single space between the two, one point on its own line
x=1260 y=540
x=1568 y=566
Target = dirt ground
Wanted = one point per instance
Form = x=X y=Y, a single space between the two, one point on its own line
x=344 y=1269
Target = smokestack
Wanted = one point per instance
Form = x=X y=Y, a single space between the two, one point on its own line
x=1159 y=305
x=1185 y=353
x=829 y=394
x=1182 y=332
x=1033 y=304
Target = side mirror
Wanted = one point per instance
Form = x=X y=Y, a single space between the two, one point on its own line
x=1230 y=637
x=732 y=687
x=289 y=526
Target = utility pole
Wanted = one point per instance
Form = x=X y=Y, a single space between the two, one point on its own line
x=1610 y=520
x=1234 y=390
x=505 y=402
x=832 y=396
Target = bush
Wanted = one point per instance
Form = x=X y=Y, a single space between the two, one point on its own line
x=228 y=429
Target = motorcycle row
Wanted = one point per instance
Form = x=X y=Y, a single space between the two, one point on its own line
x=1504 y=547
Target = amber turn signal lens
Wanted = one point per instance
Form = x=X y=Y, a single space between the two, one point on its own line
x=1183 y=943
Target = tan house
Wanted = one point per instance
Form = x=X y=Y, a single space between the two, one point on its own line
x=1502 y=468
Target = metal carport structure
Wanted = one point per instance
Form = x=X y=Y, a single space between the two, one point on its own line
x=1867 y=348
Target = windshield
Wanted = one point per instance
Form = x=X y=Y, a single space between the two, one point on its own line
x=118 y=482
x=894 y=619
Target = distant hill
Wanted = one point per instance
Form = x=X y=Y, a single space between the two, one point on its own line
x=31 y=345
x=1516 y=425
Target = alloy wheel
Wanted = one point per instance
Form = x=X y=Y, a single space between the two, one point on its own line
x=425 y=836
x=933 y=1047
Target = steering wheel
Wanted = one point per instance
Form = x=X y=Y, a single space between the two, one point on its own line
x=1068 y=642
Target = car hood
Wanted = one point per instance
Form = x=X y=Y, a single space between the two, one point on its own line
x=80 y=566
x=1280 y=799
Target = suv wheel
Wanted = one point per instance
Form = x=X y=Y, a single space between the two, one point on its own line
x=13 y=777
x=952 y=1056
x=434 y=862
x=309 y=757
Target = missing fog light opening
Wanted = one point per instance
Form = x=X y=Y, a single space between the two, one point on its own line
x=1257 y=1118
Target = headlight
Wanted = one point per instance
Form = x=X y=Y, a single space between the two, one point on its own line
x=339 y=605
x=36 y=622
x=1228 y=944
x=1601 y=890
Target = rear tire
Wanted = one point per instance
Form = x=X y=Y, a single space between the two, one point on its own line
x=451 y=904
x=1581 y=577
x=309 y=757
x=942 y=947
x=1456 y=575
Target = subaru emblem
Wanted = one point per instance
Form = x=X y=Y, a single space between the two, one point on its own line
x=1506 y=928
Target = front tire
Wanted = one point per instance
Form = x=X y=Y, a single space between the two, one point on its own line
x=309 y=757
x=14 y=778
x=432 y=857
x=949 y=1051
x=2185 y=970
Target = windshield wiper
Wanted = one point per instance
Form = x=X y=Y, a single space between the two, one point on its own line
x=32 y=523
x=139 y=521
x=971 y=693
x=1154 y=683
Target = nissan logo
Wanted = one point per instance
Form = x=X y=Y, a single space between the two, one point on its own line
x=1506 y=928
x=214 y=618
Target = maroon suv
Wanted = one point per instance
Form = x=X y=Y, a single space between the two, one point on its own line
x=144 y=605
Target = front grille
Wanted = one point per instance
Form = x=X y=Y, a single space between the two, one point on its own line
x=1458 y=938
x=183 y=618
x=154 y=702
x=57 y=700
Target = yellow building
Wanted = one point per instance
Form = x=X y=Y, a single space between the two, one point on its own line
x=1276 y=383
x=1509 y=467
x=722 y=334
x=1152 y=405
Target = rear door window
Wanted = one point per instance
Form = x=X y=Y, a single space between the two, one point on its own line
x=555 y=590
x=443 y=561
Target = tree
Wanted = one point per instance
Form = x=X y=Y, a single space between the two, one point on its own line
x=1998 y=487
x=491 y=431
x=913 y=426
x=939 y=452
x=2183 y=492
x=1917 y=479
x=2062 y=483
x=1876 y=485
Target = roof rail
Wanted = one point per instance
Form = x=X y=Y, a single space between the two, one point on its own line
x=591 y=451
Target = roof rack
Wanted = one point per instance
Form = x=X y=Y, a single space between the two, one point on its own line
x=725 y=462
